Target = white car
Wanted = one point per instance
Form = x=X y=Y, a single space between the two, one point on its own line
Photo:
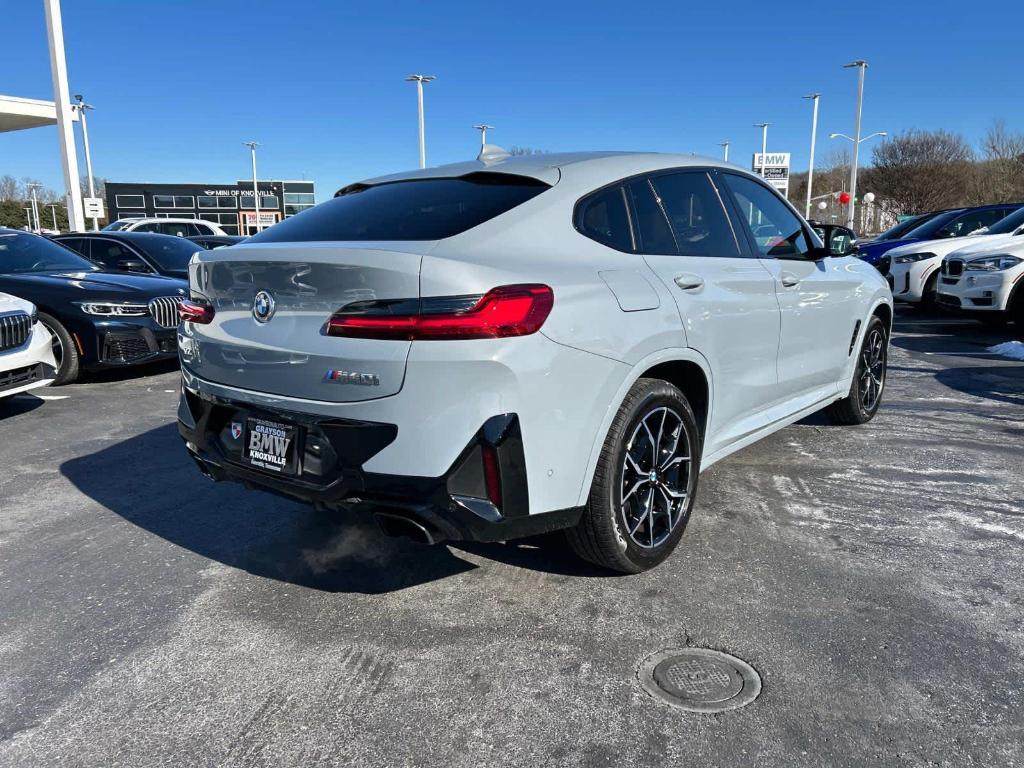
x=986 y=283
x=513 y=345
x=914 y=267
x=26 y=348
x=169 y=226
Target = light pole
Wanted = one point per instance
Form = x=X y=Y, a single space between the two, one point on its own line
x=82 y=107
x=255 y=188
x=35 y=206
x=764 y=144
x=53 y=213
x=420 y=80
x=28 y=215
x=483 y=128
x=814 y=135
x=861 y=66
x=853 y=174
x=725 y=151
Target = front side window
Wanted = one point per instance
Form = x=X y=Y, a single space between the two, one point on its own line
x=968 y=222
x=695 y=213
x=777 y=231
x=418 y=209
x=602 y=217
x=109 y=254
x=179 y=229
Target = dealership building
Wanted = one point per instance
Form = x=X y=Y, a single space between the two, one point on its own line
x=231 y=206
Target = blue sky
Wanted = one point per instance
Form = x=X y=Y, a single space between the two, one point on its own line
x=179 y=85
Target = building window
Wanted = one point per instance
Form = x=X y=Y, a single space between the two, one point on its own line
x=291 y=210
x=174 y=201
x=131 y=214
x=206 y=201
x=130 y=201
x=299 y=198
x=216 y=201
x=266 y=201
x=176 y=216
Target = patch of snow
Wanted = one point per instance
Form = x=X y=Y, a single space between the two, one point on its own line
x=1011 y=349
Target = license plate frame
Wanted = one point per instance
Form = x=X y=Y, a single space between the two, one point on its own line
x=271 y=446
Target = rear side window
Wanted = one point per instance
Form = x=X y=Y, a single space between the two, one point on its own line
x=652 y=232
x=420 y=209
x=602 y=217
x=696 y=215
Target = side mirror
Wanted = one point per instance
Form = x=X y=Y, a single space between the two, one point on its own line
x=132 y=265
x=839 y=240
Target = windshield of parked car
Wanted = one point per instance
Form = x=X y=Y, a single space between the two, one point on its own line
x=419 y=209
x=22 y=252
x=1007 y=225
x=904 y=226
x=930 y=229
x=118 y=226
x=170 y=253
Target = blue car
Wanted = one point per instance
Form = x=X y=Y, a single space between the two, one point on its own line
x=953 y=223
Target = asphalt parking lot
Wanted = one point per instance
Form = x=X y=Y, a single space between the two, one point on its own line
x=872 y=576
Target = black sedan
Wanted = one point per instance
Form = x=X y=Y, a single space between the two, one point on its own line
x=98 y=319
x=146 y=253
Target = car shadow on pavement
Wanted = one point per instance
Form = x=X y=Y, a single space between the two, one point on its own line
x=15 y=405
x=1003 y=383
x=150 y=482
x=105 y=375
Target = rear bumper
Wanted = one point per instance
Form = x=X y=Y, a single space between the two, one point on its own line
x=453 y=506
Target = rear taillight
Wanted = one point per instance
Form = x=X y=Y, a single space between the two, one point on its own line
x=492 y=474
x=191 y=312
x=509 y=310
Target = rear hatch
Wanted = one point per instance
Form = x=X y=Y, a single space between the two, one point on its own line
x=290 y=354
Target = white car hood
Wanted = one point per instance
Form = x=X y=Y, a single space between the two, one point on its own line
x=1013 y=245
x=10 y=303
x=948 y=245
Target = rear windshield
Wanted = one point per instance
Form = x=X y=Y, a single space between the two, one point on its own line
x=930 y=228
x=171 y=254
x=419 y=209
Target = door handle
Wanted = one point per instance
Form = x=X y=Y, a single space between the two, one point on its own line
x=789 y=280
x=688 y=282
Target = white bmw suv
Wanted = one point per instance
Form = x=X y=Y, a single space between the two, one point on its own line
x=914 y=267
x=26 y=348
x=987 y=284
x=513 y=345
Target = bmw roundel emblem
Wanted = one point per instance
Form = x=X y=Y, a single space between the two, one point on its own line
x=263 y=307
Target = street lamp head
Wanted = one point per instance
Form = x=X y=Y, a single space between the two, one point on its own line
x=857 y=63
x=251 y=144
x=761 y=125
x=421 y=78
x=484 y=127
x=811 y=96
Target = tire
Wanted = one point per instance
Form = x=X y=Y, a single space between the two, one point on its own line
x=929 y=293
x=603 y=534
x=64 y=350
x=865 y=395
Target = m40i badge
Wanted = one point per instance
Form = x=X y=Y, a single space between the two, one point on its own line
x=352 y=377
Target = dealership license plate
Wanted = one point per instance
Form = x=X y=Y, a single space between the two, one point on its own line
x=271 y=446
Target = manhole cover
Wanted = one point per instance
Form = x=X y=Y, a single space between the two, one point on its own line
x=699 y=679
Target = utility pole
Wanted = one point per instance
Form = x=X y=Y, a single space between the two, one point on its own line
x=53 y=213
x=725 y=151
x=483 y=133
x=420 y=80
x=82 y=107
x=255 y=187
x=35 y=206
x=764 y=144
x=814 y=134
x=861 y=67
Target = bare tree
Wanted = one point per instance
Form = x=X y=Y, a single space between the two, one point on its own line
x=516 y=150
x=1000 y=175
x=921 y=171
x=9 y=189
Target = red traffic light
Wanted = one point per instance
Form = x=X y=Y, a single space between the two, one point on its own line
x=844 y=198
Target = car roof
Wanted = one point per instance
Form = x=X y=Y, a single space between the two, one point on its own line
x=140 y=237
x=549 y=167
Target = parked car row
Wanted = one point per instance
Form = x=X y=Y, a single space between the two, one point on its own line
x=967 y=259
x=89 y=300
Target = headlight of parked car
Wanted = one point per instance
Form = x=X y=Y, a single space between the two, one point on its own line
x=993 y=263
x=107 y=309
x=910 y=258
